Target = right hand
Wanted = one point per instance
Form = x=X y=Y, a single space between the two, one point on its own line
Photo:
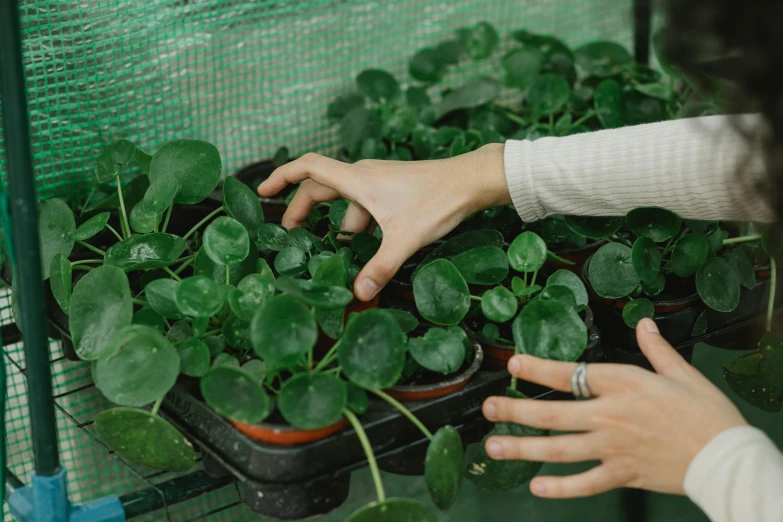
x=414 y=203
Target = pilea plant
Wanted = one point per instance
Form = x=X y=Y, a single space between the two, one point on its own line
x=654 y=254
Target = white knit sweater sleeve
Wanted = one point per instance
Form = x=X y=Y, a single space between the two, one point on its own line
x=699 y=168
x=738 y=477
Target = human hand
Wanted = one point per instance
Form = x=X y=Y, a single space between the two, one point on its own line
x=644 y=427
x=414 y=203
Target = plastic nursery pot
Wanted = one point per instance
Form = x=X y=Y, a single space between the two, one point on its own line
x=578 y=256
x=762 y=272
x=286 y=435
x=449 y=384
x=498 y=353
x=324 y=342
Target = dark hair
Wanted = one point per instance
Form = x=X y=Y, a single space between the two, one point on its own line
x=750 y=32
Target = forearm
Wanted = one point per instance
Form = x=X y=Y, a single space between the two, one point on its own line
x=700 y=168
x=738 y=477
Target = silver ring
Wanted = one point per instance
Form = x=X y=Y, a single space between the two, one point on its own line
x=579 y=382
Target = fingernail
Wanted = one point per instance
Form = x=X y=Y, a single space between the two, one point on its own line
x=489 y=410
x=538 y=487
x=514 y=365
x=494 y=449
x=367 y=288
x=650 y=326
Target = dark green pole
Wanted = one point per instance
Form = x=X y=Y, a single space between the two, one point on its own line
x=29 y=287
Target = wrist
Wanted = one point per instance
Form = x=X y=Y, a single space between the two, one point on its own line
x=486 y=179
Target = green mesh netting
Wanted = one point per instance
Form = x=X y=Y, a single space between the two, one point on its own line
x=247 y=76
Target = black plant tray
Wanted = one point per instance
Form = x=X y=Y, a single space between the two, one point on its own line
x=676 y=327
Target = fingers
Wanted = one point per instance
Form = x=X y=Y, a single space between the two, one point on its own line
x=309 y=194
x=325 y=171
x=382 y=267
x=356 y=219
x=664 y=359
x=592 y=482
x=558 y=448
x=550 y=415
x=557 y=375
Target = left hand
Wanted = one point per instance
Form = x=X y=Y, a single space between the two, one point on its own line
x=644 y=427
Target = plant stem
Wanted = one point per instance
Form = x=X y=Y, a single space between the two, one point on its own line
x=772 y=287
x=90 y=247
x=474 y=298
x=402 y=409
x=87 y=201
x=209 y=333
x=166 y=220
x=526 y=285
x=171 y=273
x=535 y=275
x=228 y=275
x=516 y=119
x=156 y=406
x=82 y=267
x=123 y=214
x=184 y=265
x=114 y=231
x=310 y=359
x=584 y=118
x=140 y=302
x=329 y=357
x=367 y=447
x=86 y=261
x=741 y=239
x=198 y=225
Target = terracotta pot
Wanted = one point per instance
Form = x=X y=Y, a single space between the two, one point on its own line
x=449 y=385
x=578 y=256
x=282 y=434
x=762 y=272
x=324 y=342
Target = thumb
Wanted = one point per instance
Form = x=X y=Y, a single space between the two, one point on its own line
x=382 y=267
x=663 y=358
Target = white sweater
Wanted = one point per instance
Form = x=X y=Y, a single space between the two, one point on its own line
x=701 y=168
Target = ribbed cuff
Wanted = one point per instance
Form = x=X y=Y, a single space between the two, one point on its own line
x=516 y=160
x=705 y=467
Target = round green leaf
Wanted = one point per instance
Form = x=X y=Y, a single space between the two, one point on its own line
x=358 y=125
x=225 y=359
x=161 y=295
x=312 y=401
x=337 y=213
x=637 y=310
x=283 y=331
x=689 y=254
x=226 y=241
x=114 y=158
x=657 y=224
x=236 y=333
x=483 y=265
x=426 y=66
x=161 y=193
x=439 y=350
x=441 y=293
x=741 y=262
x=200 y=324
x=256 y=367
x=343 y=104
x=522 y=67
x=155 y=250
x=451 y=51
x=145 y=439
x=378 y=85
x=365 y=246
x=322 y=295
x=417 y=97
x=92 y=226
x=198 y=296
x=316 y=261
x=357 y=399
x=372 y=350
x=594 y=227
x=641 y=109
x=490 y=331
x=61 y=281
x=100 y=305
x=611 y=271
x=393 y=510
x=291 y=262
x=499 y=304
x=194 y=358
x=646 y=258
x=608 y=101
x=550 y=330
x=242 y=204
x=468 y=96
x=215 y=344
x=56 y=230
x=257 y=286
x=572 y=281
x=272 y=237
x=443 y=467
x=602 y=58
x=151 y=318
x=547 y=94
x=700 y=326
x=235 y=394
x=656 y=287
x=718 y=284
x=406 y=320
x=180 y=331
x=196 y=166
x=301 y=239
x=560 y=293
x=142 y=220
x=206 y=267
x=527 y=253
x=482 y=41
x=140 y=367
